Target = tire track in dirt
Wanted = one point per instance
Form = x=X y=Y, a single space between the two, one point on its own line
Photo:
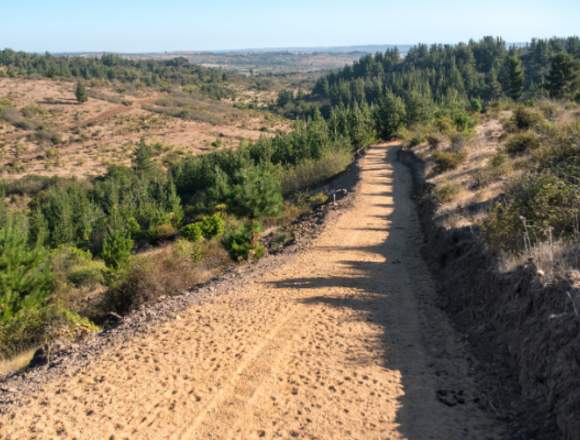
x=341 y=342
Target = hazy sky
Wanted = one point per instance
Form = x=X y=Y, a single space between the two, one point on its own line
x=156 y=25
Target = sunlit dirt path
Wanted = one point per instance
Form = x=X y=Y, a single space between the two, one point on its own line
x=340 y=342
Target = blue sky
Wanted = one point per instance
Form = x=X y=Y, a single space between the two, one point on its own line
x=155 y=25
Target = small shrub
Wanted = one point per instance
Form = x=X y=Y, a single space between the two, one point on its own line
x=243 y=243
x=520 y=143
x=76 y=267
x=498 y=160
x=444 y=124
x=320 y=198
x=192 y=232
x=476 y=105
x=164 y=231
x=148 y=278
x=549 y=109
x=448 y=160
x=458 y=140
x=212 y=226
x=463 y=121
x=279 y=241
x=535 y=205
x=525 y=119
x=434 y=140
x=188 y=249
x=44 y=135
x=311 y=172
x=446 y=192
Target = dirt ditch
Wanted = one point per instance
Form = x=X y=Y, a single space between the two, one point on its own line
x=525 y=332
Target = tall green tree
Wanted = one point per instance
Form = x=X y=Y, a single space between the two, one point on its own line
x=81 y=93
x=563 y=75
x=258 y=193
x=143 y=159
x=514 y=77
x=25 y=278
x=117 y=244
x=390 y=115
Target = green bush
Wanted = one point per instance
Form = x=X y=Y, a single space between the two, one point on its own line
x=76 y=267
x=189 y=249
x=520 y=143
x=192 y=232
x=311 y=172
x=447 y=160
x=243 y=243
x=258 y=193
x=163 y=231
x=26 y=283
x=533 y=206
x=463 y=121
x=117 y=248
x=212 y=226
x=525 y=118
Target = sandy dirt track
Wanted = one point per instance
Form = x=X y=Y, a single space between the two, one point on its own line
x=340 y=342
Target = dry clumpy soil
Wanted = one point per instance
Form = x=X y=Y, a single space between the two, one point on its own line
x=340 y=340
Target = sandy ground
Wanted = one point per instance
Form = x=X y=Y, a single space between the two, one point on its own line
x=341 y=342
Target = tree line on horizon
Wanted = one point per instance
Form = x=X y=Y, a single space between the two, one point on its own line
x=108 y=67
x=465 y=75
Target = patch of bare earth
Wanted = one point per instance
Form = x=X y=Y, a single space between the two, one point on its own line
x=102 y=132
x=340 y=342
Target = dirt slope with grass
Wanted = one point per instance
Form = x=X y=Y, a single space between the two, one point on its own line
x=340 y=342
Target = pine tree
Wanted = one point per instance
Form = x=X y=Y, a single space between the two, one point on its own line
x=562 y=76
x=514 y=77
x=492 y=89
x=25 y=280
x=143 y=159
x=117 y=244
x=258 y=193
x=81 y=93
x=390 y=115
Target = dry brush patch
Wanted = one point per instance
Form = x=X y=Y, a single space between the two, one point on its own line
x=45 y=131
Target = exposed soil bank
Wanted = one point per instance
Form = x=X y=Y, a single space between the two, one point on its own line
x=527 y=333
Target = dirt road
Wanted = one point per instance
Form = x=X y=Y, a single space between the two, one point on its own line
x=340 y=342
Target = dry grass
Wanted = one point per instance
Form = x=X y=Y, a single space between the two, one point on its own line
x=312 y=172
x=466 y=192
x=553 y=259
x=474 y=180
x=16 y=363
x=167 y=271
x=86 y=138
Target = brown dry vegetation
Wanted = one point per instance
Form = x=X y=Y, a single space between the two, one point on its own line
x=44 y=131
x=487 y=169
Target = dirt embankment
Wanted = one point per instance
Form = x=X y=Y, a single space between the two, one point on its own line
x=527 y=333
x=341 y=340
